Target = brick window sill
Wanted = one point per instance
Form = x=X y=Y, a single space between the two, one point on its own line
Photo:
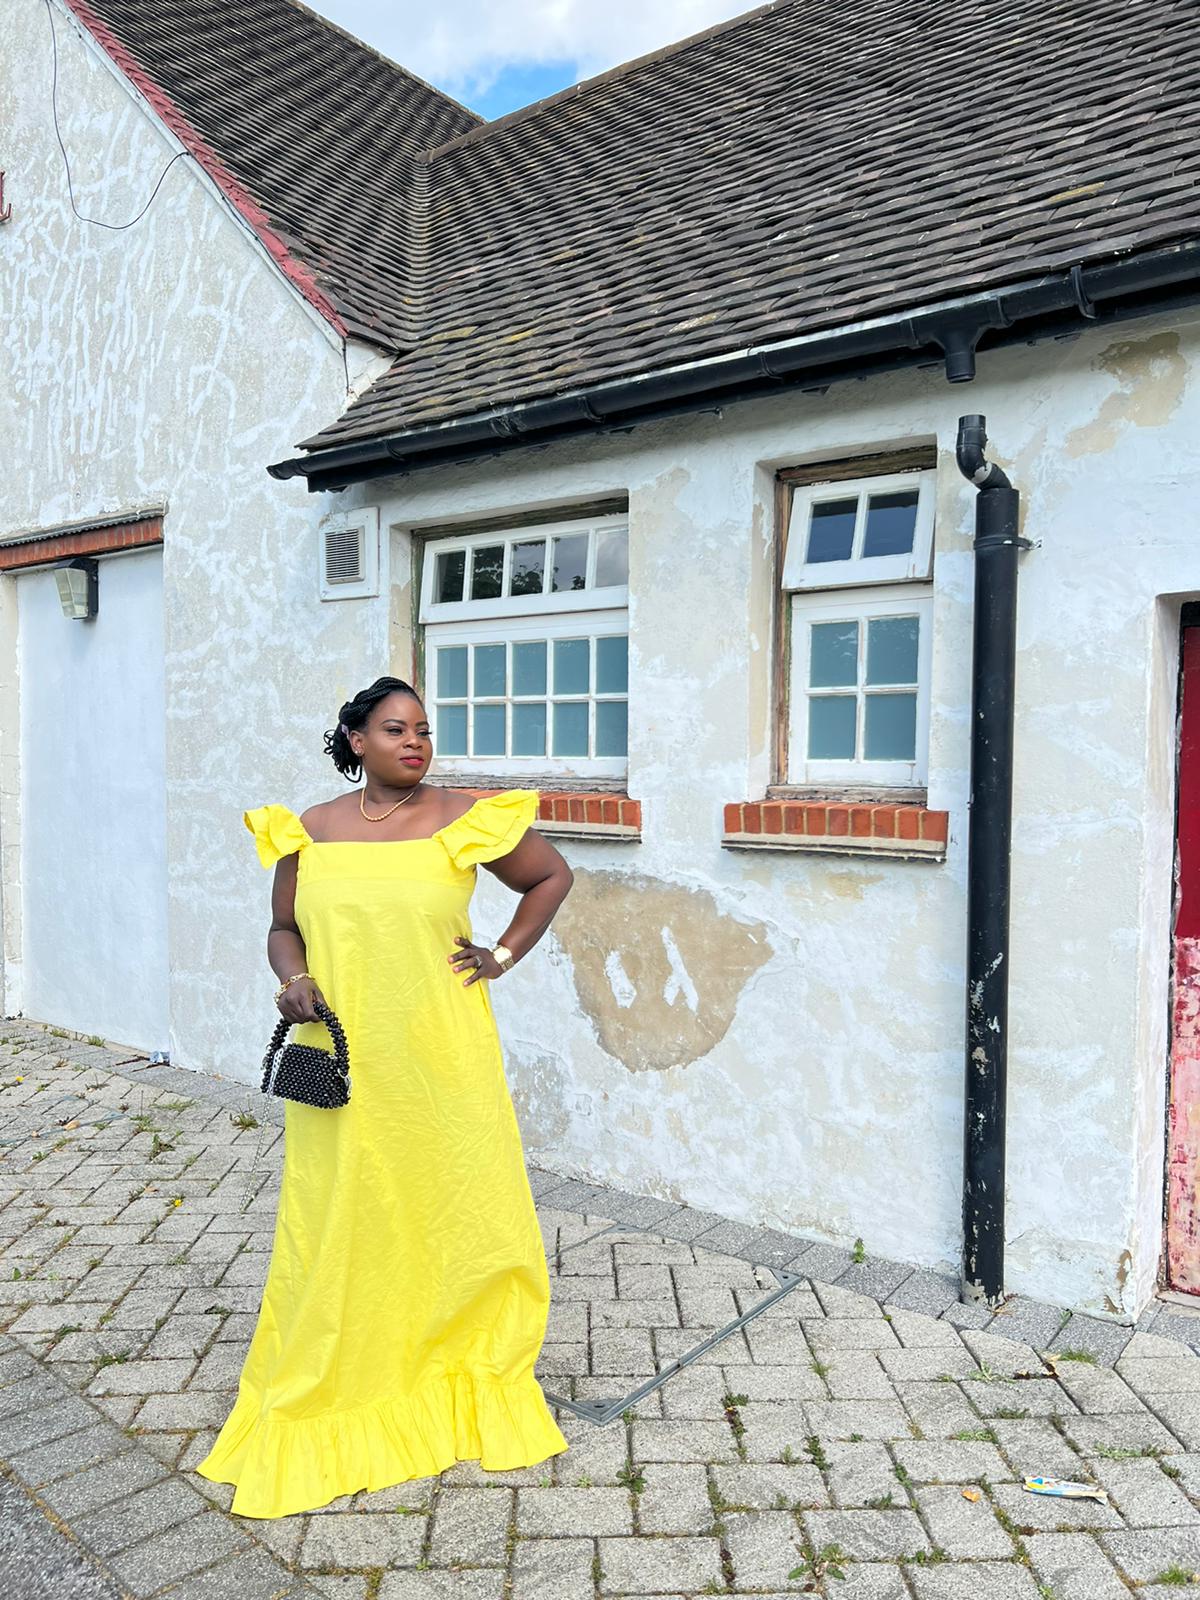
x=838 y=827
x=586 y=814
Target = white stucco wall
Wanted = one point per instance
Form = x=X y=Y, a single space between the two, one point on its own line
x=827 y=1098
x=94 y=843
x=167 y=364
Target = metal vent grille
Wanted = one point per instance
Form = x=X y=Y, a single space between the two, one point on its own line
x=344 y=554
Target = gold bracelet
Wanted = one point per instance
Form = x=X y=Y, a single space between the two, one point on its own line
x=287 y=982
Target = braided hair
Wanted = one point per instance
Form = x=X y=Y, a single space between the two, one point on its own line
x=354 y=714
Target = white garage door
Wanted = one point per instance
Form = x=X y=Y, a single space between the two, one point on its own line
x=93 y=778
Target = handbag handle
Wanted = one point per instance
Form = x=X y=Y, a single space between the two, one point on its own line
x=341 y=1051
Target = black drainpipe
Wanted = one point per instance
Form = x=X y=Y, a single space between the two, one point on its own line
x=989 y=836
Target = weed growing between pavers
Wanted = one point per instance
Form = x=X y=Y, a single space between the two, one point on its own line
x=828 y=1562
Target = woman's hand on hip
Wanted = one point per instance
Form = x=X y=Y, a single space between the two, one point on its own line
x=474 y=959
x=299 y=1001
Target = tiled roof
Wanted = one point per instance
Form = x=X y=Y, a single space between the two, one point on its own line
x=810 y=165
x=305 y=125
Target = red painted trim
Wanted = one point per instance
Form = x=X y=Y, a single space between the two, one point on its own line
x=249 y=208
x=85 y=542
x=1183 y=1124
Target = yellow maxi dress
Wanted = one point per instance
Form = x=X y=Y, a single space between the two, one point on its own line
x=407 y=1291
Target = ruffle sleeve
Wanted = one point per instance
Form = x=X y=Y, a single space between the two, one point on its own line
x=491 y=828
x=277 y=832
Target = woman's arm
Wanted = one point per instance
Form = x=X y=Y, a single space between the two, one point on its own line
x=285 y=947
x=536 y=871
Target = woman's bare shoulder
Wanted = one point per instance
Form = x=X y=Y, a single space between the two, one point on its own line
x=321 y=819
x=456 y=803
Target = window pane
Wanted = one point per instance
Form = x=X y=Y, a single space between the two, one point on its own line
x=612 y=556
x=571 y=666
x=891 y=729
x=612 y=727
x=448 y=579
x=570 y=562
x=490 y=671
x=529 y=668
x=612 y=665
x=892 y=650
x=452 y=672
x=891 y=524
x=529 y=729
x=489 y=731
x=831 y=727
x=833 y=655
x=487 y=569
x=571 y=728
x=528 y=567
x=452 y=730
x=831 y=530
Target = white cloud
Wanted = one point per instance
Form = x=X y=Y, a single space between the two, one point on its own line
x=462 y=45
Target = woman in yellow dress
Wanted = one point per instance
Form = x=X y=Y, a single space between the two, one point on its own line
x=407 y=1292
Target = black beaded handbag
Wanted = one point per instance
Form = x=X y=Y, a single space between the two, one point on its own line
x=305 y=1073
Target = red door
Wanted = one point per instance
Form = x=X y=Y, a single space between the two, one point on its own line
x=1183 y=1128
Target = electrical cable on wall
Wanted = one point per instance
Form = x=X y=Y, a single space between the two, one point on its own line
x=117 y=227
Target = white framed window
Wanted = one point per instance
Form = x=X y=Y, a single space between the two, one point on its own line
x=860 y=687
x=349 y=554
x=527 y=649
x=863 y=530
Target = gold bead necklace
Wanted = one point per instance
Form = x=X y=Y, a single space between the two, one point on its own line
x=362 y=795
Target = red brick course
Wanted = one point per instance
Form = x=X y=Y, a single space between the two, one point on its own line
x=84 y=542
x=783 y=819
x=597 y=810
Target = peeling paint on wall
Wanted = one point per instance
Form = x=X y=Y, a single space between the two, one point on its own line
x=667 y=997
x=1152 y=374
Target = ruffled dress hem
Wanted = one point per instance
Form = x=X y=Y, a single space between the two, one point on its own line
x=283 y=1467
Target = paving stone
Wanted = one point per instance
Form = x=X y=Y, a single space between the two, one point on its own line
x=1001 y=1355
x=779 y=1343
x=685 y=1223
x=1180 y=1327
x=1099 y=1391
x=1144 y=1495
x=45 y=1462
x=434 y=1585
x=962 y=1528
x=967 y=1316
x=27 y=1394
x=598 y=1453
x=768 y=1487
x=964 y=1461
x=545 y=1513
x=928 y=1365
x=1074 y=1567
x=877 y=1277
x=73 y=1497
x=696 y=1394
x=548 y=1569
x=859 y=1473
x=142 y=1377
x=849 y=1333
x=148 y=1566
x=1181 y=1376
x=822 y=1263
x=870 y=1583
x=1048 y=1514
x=768 y=1382
x=1119 y=1431
x=773 y=1430
x=26 y=1429
x=1150 y=1347
x=1027 y=1320
x=364 y=1539
x=980 y=1580
x=201 y=1409
x=1035 y=1449
x=1036 y=1397
x=1143 y=1556
x=471 y=1524
x=248 y=1575
x=764 y=1547
x=868 y=1535
x=675 y=1500
x=870 y=1419
x=1104 y=1340
x=916 y=1332
x=939 y=1410
x=646 y=1565
x=683 y=1441
x=1181 y=1414
x=138 y=1516
x=857 y=1375
x=839 y=1302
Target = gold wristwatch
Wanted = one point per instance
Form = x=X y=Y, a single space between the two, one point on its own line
x=503 y=957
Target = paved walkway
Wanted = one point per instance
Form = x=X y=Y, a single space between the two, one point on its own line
x=863 y=1437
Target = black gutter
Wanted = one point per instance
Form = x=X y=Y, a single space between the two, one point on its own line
x=989 y=837
x=950 y=333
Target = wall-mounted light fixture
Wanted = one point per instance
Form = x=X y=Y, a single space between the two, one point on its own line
x=79 y=587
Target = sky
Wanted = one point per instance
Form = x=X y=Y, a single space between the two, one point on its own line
x=496 y=58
